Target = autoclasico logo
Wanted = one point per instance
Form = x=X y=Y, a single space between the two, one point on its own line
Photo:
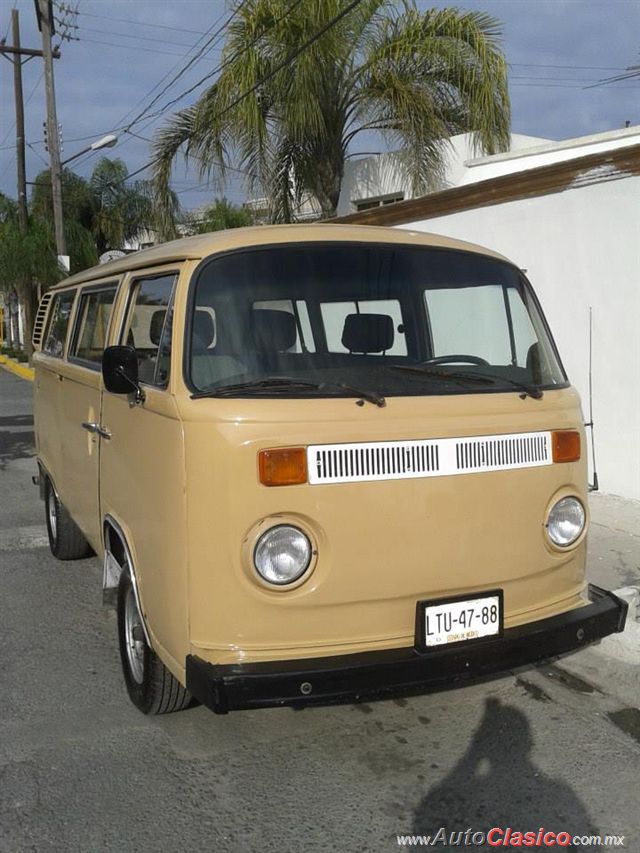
x=509 y=837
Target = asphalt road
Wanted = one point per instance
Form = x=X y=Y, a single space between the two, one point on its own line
x=82 y=770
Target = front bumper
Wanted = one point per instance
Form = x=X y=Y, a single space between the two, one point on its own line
x=369 y=675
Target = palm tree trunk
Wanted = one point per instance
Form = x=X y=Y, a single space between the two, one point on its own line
x=327 y=180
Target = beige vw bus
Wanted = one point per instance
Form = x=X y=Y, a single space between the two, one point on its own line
x=319 y=463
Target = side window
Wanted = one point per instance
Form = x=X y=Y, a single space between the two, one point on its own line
x=92 y=324
x=150 y=321
x=58 y=324
x=469 y=321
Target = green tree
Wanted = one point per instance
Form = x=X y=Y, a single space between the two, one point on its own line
x=99 y=214
x=25 y=259
x=218 y=217
x=413 y=78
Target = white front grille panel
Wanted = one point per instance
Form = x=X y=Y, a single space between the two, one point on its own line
x=397 y=460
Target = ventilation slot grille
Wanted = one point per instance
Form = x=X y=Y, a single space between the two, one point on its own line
x=38 y=325
x=442 y=457
x=493 y=454
x=347 y=463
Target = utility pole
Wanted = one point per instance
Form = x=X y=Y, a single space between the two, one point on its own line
x=45 y=22
x=20 y=143
x=14 y=53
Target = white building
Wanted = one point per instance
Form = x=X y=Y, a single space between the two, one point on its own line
x=569 y=213
x=376 y=181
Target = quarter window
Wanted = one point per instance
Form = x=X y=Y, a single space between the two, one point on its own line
x=58 y=324
x=93 y=324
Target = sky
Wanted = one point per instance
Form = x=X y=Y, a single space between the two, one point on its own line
x=126 y=48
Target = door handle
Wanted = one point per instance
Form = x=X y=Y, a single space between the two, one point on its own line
x=103 y=432
x=90 y=427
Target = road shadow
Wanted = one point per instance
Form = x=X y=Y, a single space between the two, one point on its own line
x=495 y=784
x=18 y=444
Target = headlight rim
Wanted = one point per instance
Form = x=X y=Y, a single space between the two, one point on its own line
x=302 y=576
x=568 y=546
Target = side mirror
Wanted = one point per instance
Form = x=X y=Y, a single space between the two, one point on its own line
x=120 y=372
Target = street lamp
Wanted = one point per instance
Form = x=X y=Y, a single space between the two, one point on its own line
x=106 y=142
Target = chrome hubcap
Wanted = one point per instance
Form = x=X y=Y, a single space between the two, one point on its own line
x=134 y=637
x=53 y=520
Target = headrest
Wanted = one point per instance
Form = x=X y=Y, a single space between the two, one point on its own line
x=203 y=330
x=367 y=333
x=273 y=330
x=155 y=327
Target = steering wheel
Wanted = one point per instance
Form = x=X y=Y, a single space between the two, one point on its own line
x=452 y=359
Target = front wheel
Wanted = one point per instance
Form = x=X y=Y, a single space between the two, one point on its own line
x=150 y=685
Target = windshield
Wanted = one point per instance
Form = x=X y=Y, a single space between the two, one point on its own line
x=392 y=320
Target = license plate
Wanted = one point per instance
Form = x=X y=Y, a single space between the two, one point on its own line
x=448 y=621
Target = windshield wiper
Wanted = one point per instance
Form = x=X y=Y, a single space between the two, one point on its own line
x=274 y=383
x=528 y=389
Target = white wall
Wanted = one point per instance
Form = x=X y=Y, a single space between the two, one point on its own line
x=382 y=174
x=581 y=248
x=530 y=156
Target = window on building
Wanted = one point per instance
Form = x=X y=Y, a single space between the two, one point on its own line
x=379 y=201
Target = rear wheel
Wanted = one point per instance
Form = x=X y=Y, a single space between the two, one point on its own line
x=66 y=540
x=150 y=685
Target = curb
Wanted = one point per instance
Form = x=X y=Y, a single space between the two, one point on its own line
x=17 y=368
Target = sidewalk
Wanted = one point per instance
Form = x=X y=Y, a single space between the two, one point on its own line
x=18 y=368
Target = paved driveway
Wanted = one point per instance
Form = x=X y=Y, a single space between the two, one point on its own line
x=82 y=770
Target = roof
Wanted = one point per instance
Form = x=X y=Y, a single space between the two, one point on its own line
x=527 y=183
x=608 y=139
x=203 y=245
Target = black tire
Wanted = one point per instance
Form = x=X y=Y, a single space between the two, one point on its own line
x=150 y=685
x=66 y=540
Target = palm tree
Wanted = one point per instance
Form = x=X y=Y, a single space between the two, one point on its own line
x=413 y=78
x=120 y=212
x=99 y=214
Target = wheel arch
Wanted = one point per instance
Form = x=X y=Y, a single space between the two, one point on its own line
x=117 y=556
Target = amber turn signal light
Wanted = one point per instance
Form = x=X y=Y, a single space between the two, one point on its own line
x=565 y=445
x=283 y=466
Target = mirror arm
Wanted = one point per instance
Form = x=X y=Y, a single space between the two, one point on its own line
x=140 y=396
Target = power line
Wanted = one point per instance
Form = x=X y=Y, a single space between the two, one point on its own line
x=130 y=47
x=208 y=45
x=167 y=75
x=29 y=96
x=139 y=23
x=566 y=67
x=227 y=62
x=289 y=59
x=133 y=36
x=279 y=67
x=580 y=86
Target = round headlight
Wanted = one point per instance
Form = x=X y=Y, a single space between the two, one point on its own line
x=282 y=554
x=566 y=521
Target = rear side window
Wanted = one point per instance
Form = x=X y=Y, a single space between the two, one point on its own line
x=150 y=320
x=59 y=315
x=92 y=324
